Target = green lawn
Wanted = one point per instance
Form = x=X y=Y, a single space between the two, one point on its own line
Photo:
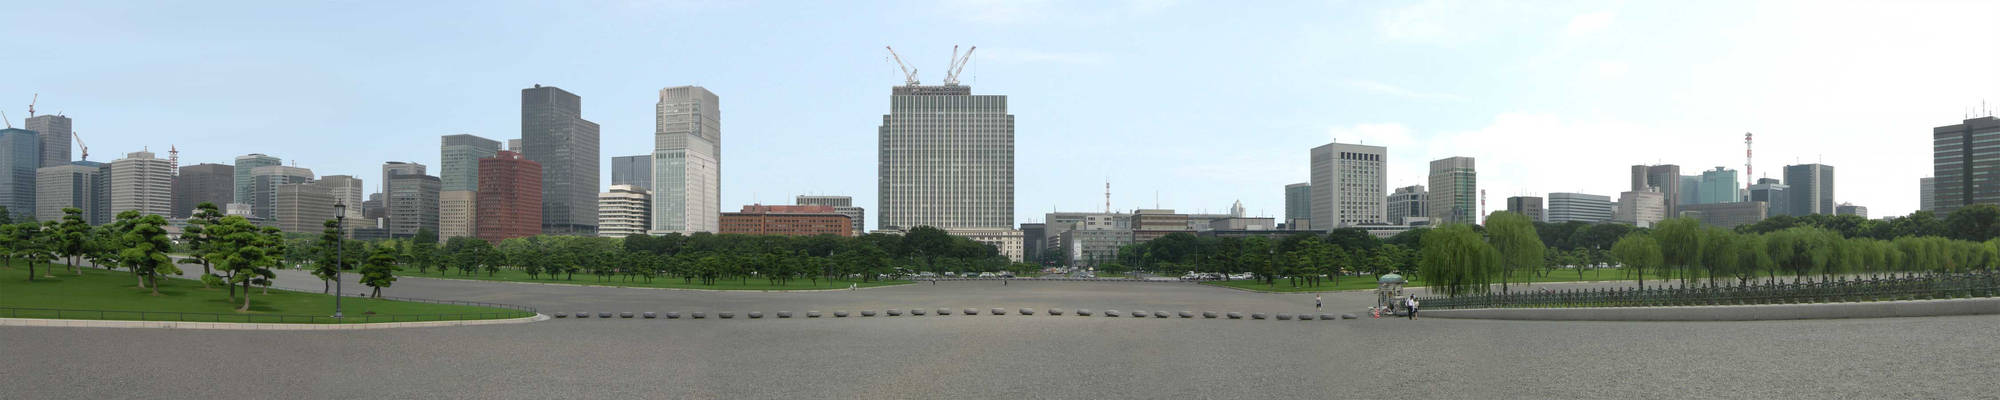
x=117 y=292
x=1366 y=282
x=513 y=275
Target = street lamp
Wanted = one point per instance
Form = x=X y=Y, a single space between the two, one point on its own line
x=340 y=254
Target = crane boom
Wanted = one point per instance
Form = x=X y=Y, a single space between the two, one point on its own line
x=31 y=104
x=10 y=120
x=957 y=64
x=79 y=145
x=909 y=75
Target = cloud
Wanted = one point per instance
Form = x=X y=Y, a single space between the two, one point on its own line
x=1611 y=68
x=1030 y=56
x=1590 y=23
x=1398 y=91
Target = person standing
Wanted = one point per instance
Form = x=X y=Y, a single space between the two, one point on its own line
x=1411 y=303
x=1316 y=303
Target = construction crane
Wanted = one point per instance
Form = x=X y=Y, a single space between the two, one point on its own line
x=957 y=64
x=79 y=145
x=909 y=74
x=10 y=120
x=31 y=104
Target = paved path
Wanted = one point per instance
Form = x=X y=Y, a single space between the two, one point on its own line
x=1010 y=356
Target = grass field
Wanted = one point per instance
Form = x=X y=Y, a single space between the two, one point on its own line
x=1366 y=282
x=118 y=295
x=509 y=275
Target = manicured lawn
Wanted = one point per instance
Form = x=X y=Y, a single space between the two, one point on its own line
x=1366 y=282
x=513 y=275
x=185 y=300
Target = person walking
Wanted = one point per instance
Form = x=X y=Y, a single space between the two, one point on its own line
x=1411 y=303
x=852 y=286
x=1316 y=303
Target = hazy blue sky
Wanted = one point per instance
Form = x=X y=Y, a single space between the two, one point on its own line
x=1197 y=103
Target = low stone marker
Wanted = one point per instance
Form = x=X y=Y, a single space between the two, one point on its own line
x=784 y=314
x=840 y=314
x=867 y=313
x=971 y=311
x=812 y=314
x=756 y=314
x=673 y=315
x=1027 y=311
x=698 y=315
x=1138 y=314
x=1235 y=315
x=1083 y=312
x=1187 y=314
x=627 y=314
x=1347 y=316
x=583 y=315
x=894 y=312
x=1055 y=311
x=1208 y=314
x=917 y=311
x=1284 y=317
x=1159 y=314
x=651 y=315
x=943 y=311
x=1110 y=313
x=562 y=315
x=604 y=314
x=1326 y=317
x=1258 y=316
x=997 y=311
x=1304 y=317
x=725 y=314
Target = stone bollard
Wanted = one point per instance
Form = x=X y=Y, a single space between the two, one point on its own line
x=1305 y=317
x=1284 y=317
x=581 y=315
x=1159 y=314
x=1055 y=311
x=725 y=314
x=562 y=315
x=997 y=311
x=1138 y=314
x=673 y=315
x=943 y=311
x=1235 y=315
x=627 y=314
x=784 y=314
x=812 y=314
x=971 y=311
x=867 y=313
x=651 y=315
x=1027 y=311
x=1208 y=314
x=1347 y=316
x=698 y=315
x=1083 y=312
x=840 y=314
x=1258 y=316
x=917 y=311
x=756 y=314
x=1326 y=317
x=894 y=312
x=604 y=314
x=1187 y=314
x=1110 y=313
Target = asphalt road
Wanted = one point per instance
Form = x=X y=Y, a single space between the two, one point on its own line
x=1009 y=356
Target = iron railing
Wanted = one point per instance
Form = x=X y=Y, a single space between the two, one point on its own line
x=1838 y=290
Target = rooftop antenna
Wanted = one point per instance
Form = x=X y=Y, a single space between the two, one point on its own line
x=1107 y=195
x=174 y=160
x=909 y=74
x=1746 y=162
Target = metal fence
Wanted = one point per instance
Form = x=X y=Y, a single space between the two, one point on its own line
x=119 y=315
x=1839 y=290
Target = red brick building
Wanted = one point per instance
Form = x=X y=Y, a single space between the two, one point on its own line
x=509 y=201
x=786 y=220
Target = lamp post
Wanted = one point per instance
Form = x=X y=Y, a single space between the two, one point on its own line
x=340 y=253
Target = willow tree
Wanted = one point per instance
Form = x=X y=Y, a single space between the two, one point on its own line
x=1680 y=245
x=1513 y=235
x=1638 y=252
x=1457 y=261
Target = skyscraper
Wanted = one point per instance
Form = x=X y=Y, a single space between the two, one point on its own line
x=946 y=159
x=1298 y=205
x=633 y=170
x=302 y=207
x=1664 y=178
x=54 y=131
x=1954 y=158
x=264 y=182
x=687 y=161
x=1406 y=202
x=841 y=204
x=1851 y=209
x=1926 y=194
x=1587 y=208
x=556 y=136
x=509 y=203
x=72 y=185
x=623 y=211
x=348 y=190
x=1530 y=206
x=1690 y=191
x=413 y=204
x=245 y=164
x=1641 y=208
x=1348 y=181
x=20 y=156
x=458 y=167
x=203 y=183
x=1811 y=187
x=1454 y=191
x=1776 y=196
x=1719 y=185
x=143 y=183
x=393 y=168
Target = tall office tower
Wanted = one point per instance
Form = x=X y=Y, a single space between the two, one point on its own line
x=1530 y=206
x=61 y=186
x=348 y=190
x=633 y=170
x=1690 y=191
x=1851 y=209
x=1454 y=191
x=623 y=212
x=302 y=208
x=1641 y=208
x=510 y=197
x=841 y=204
x=1348 y=181
x=413 y=204
x=1664 y=178
x=687 y=161
x=393 y=168
x=946 y=159
x=54 y=131
x=1587 y=208
x=1811 y=188
x=1776 y=196
x=141 y=182
x=203 y=183
x=1298 y=206
x=458 y=169
x=20 y=156
x=264 y=182
x=558 y=138
x=1236 y=209
x=375 y=208
x=1719 y=185
x=1406 y=202
x=245 y=164
x=1926 y=194
x=1953 y=160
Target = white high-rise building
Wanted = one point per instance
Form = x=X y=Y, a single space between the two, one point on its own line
x=945 y=159
x=1579 y=207
x=141 y=182
x=687 y=161
x=1348 y=185
x=623 y=211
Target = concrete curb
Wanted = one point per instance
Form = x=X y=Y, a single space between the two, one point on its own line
x=1766 y=312
x=657 y=288
x=243 y=326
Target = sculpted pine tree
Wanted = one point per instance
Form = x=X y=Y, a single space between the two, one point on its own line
x=197 y=237
x=146 y=248
x=379 y=271
x=72 y=237
x=326 y=256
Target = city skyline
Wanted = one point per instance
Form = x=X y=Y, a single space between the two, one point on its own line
x=119 y=110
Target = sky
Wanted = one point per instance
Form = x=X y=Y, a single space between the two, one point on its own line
x=1189 y=105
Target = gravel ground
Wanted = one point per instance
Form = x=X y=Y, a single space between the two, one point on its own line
x=1010 y=356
